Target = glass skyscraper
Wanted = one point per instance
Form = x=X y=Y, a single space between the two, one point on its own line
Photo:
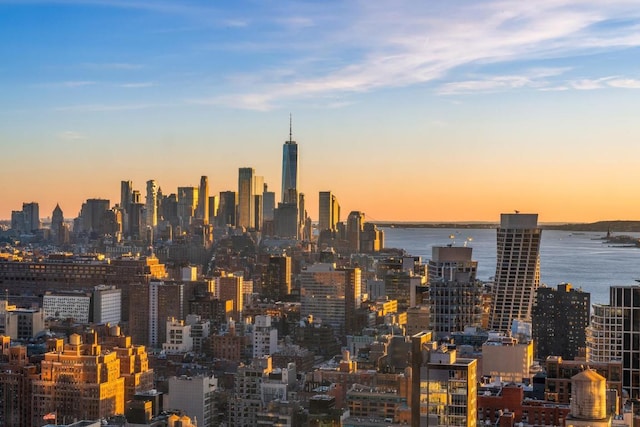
x=290 y=171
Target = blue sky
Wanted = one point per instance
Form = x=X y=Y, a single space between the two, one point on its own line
x=483 y=106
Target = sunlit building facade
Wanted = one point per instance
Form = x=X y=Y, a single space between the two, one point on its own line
x=517 y=270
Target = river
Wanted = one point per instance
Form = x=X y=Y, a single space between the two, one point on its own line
x=583 y=259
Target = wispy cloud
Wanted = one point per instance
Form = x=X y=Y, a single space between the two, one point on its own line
x=89 y=108
x=625 y=83
x=537 y=78
x=136 y=85
x=411 y=43
x=70 y=135
x=67 y=84
x=589 y=84
x=328 y=53
x=112 y=66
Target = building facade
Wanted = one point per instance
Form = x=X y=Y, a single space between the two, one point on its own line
x=455 y=293
x=560 y=318
x=614 y=333
x=517 y=270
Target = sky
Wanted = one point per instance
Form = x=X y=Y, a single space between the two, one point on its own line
x=405 y=110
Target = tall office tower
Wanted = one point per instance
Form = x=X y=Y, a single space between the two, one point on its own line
x=169 y=209
x=92 y=215
x=258 y=189
x=227 y=209
x=151 y=205
x=335 y=213
x=264 y=337
x=443 y=385
x=257 y=205
x=330 y=295
x=268 y=204
x=614 y=333
x=187 y=203
x=560 y=318
x=286 y=220
x=325 y=211
x=149 y=307
x=246 y=208
x=304 y=225
x=203 y=200
x=57 y=225
x=229 y=287
x=136 y=217
x=17 y=221
x=456 y=294
x=214 y=204
x=355 y=226
x=290 y=169
x=126 y=195
x=517 y=270
x=126 y=198
x=31 y=216
x=276 y=281
x=371 y=238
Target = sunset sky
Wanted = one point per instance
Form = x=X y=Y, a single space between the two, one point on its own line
x=406 y=110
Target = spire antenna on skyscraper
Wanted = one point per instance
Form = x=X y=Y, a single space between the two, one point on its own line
x=290 y=128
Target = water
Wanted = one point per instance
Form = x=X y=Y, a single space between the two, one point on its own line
x=582 y=259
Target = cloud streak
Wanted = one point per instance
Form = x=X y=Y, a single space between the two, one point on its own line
x=413 y=45
x=70 y=135
x=92 y=108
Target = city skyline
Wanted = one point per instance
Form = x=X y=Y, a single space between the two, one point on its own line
x=406 y=111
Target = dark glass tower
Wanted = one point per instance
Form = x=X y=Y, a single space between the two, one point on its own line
x=290 y=170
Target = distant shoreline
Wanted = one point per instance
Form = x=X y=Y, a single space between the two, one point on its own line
x=600 y=226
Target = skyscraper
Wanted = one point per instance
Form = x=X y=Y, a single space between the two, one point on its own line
x=151 y=205
x=325 y=211
x=290 y=169
x=227 y=209
x=560 y=317
x=126 y=195
x=330 y=294
x=187 y=203
x=276 y=281
x=456 y=295
x=355 y=226
x=614 y=333
x=246 y=199
x=517 y=270
x=31 y=216
x=203 y=200
x=58 y=230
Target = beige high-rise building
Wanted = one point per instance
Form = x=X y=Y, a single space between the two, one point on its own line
x=151 y=205
x=330 y=295
x=517 y=270
x=326 y=215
